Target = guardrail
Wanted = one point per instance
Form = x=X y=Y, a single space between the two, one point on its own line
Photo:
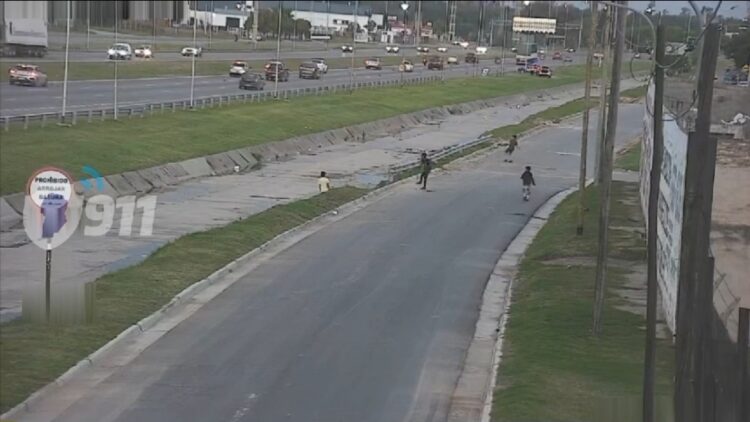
x=149 y=109
x=394 y=170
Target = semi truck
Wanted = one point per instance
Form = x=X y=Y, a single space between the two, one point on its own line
x=23 y=28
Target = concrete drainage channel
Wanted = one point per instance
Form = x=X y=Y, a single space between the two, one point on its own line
x=141 y=182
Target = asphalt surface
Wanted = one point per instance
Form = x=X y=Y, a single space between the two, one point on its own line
x=18 y=100
x=366 y=320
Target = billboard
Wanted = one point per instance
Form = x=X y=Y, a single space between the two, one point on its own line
x=534 y=25
x=670 y=206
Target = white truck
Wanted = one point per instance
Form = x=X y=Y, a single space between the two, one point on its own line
x=24 y=28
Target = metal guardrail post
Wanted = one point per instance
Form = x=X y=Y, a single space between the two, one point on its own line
x=75 y=117
x=130 y=113
x=162 y=107
x=6 y=123
x=44 y=120
x=90 y=116
x=151 y=109
x=26 y=121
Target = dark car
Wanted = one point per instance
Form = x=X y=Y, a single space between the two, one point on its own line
x=252 y=81
x=557 y=55
x=274 y=68
x=435 y=63
x=471 y=58
x=309 y=70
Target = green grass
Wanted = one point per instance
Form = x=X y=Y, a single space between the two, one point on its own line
x=630 y=159
x=113 y=147
x=634 y=93
x=550 y=114
x=33 y=355
x=552 y=368
x=138 y=68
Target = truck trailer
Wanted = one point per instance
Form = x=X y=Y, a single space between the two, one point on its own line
x=23 y=30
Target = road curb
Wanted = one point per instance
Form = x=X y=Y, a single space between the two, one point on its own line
x=219 y=278
x=472 y=398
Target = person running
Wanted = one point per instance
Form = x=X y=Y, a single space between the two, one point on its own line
x=512 y=145
x=527 y=178
x=324 y=184
x=425 y=166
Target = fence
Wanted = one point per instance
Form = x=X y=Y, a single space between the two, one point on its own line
x=149 y=109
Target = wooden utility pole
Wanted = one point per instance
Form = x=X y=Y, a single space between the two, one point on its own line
x=694 y=383
x=653 y=206
x=600 y=127
x=606 y=170
x=586 y=114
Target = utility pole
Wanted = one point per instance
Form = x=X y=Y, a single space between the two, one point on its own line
x=114 y=115
x=585 y=130
x=195 y=50
x=278 y=53
x=653 y=206
x=65 y=73
x=452 y=22
x=600 y=127
x=502 y=50
x=88 y=23
x=354 y=41
x=694 y=382
x=256 y=10
x=606 y=185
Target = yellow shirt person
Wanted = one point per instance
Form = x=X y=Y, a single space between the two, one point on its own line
x=324 y=184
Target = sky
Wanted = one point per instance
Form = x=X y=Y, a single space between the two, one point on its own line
x=674 y=7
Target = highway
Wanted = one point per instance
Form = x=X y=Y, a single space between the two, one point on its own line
x=367 y=320
x=83 y=95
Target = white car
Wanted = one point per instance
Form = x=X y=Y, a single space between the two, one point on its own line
x=120 y=51
x=393 y=49
x=423 y=49
x=322 y=65
x=347 y=49
x=481 y=50
x=464 y=44
x=442 y=49
x=452 y=60
x=144 y=52
x=238 y=68
x=406 y=66
x=192 y=51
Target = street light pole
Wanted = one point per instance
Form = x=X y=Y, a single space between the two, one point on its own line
x=65 y=73
x=114 y=116
x=192 y=69
x=278 y=52
x=88 y=23
x=354 y=40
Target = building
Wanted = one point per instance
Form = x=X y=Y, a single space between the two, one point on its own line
x=333 y=18
x=102 y=13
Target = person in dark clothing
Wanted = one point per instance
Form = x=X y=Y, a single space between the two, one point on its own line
x=527 y=178
x=425 y=166
x=512 y=145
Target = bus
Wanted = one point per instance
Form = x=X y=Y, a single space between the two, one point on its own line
x=526 y=52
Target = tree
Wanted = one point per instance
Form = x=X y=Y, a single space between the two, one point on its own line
x=737 y=48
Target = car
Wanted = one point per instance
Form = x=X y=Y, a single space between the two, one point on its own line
x=254 y=81
x=541 y=51
x=567 y=59
x=637 y=55
x=347 y=48
x=456 y=42
x=442 y=49
x=309 y=70
x=598 y=56
x=571 y=50
x=544 y=72
x=321 y=63
x=422 y=49
x=481 y=50
x=27 y=74
x=277 y=68
x=435 y=63
x=532 y=68
x=406 y=66
x=192 y=52
x=471 y=58
x=393 y=49
x=452 y=60
x=144 y=52
x=464 y=44
x=120 y=51
x=514 y=50
x=238 y=68
x=373 y=63
x=557 y=55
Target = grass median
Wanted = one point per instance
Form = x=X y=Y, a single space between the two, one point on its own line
x=117 y=146
x=630 y=158
x=552 y=367
x=33 y=355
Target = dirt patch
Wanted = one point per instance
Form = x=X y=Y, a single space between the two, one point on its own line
x=733 y=152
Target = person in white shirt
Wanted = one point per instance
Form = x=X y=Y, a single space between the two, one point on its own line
x=324 y=184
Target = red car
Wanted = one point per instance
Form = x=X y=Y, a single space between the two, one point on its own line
x=545 y=72
x=557 y=56
x=533 y=69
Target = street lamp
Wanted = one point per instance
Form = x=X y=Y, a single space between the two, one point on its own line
x=404 y=7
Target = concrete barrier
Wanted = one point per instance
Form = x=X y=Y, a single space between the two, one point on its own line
x=249 y=156
x=153 y=177
x=106 y=188
x=221 y=163
x=196 y=167
x=239 y=160
x=138 y=182
x=120 y=184
x=176 y=172
x=9 y=217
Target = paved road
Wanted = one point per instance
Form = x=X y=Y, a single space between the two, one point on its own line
x=367 y=320
x=84 y=95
